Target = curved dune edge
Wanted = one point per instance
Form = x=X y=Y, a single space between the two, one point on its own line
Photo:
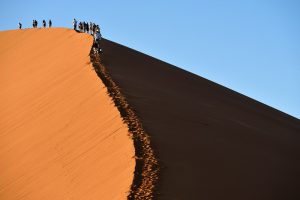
x=147 y=168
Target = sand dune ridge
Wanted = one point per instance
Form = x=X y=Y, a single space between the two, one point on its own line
x=146 y=172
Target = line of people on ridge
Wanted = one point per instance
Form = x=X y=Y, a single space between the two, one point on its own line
x=90 y=28
x=35 y=24
x=86 y=27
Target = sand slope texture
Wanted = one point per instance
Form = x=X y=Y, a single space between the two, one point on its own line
x=61 y=137
x=212 y=143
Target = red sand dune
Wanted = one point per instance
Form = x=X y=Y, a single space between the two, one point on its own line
x=61 y=137
x=212 y=143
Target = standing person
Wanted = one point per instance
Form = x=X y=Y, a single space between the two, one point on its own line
x=80 y=26
x=87 y=27
x=91 y=28
x=94 y=28
x=33 y=23
x=20 y=25
x=75 y=24
x=97 y=39
x=44 y=23
x=84 y=26
x=36 y=23
x=50 y=23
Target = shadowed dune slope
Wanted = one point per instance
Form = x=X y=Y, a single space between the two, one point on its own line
x=212 y=143
x=61 y=137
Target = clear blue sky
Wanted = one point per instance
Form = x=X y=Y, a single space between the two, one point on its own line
x=250 y=46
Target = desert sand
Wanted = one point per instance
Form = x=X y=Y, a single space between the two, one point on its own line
x=61 y=136
x=211 y=142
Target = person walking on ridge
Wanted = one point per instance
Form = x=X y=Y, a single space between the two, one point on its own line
x=44 y=23
x=83 y=26
x=91 y=28
x=20 y=25
x=50 y=23
x=75 y=24
x=80 y=26
x=97 y=39
x=94 y=28
x=87 y=27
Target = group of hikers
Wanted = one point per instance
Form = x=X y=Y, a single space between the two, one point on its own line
x=92 y=29
x=84 y=27
x=35 y=24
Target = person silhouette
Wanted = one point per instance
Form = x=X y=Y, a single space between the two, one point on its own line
x=75 y=24
x=20 y=25
x=50 y=23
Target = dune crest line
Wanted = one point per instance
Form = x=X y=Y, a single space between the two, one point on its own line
x=147 y=166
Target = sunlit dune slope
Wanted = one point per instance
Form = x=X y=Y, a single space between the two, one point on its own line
x=61 y=137
x=212 y=143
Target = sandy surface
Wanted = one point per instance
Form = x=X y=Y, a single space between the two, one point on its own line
x=212 y=143
x=61 y=137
